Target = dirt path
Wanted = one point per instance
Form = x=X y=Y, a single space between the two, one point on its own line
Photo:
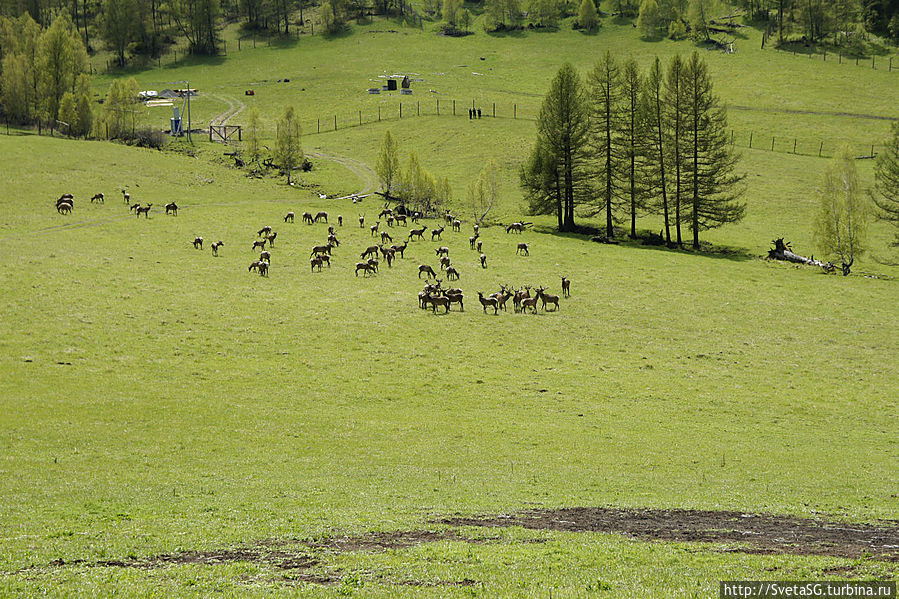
x=855 y=115
x=235 y=107
x=360 y=169
x=757 y=533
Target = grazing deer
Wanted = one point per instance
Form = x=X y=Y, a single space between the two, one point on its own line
x=321 y=216
x=400 y=248
x=444 y=262
x=134 y=206
x=330 y=229
x=271 y=238
x=264 y=231
x=479 y=244
x=332 y=240
x=374 y=228
x=439 y=300
x=321 y=249
x=442 y=251
x=472 y=241
x=263 y=269
x=198 y=243
x=259 y=244
x=307 y=218
x=546 y=298
x=488 y=301
x=326 y=259
x=385 y=237
x=339 y=220
x=452 y=274
x=365 y=267
x=98 y=198
x=455 y=298
x=415 y=216
x=254 y=265
x=266 y=256
x=448 y=217
x=385 y=212
x=523 y=249
x=316 y=261
x=215 y=247
x=171 y=208
x=126 y=197
x=400 y=219
x=370 y=251
x=476 y=229
x=417 y=233
x=361 y=221
x=288 y=218
x=514 y=227
x=145 y=210
x=424 y=268
x=66 y=198
x=483 y=260
x=390 y=220
x=63 y=207
x=457 y=225
x=373 y=262
x=435 y=234
x=566 y=287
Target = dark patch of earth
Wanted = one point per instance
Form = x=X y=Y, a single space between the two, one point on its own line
x=760 y=533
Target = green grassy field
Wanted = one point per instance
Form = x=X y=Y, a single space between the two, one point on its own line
x=157 y=401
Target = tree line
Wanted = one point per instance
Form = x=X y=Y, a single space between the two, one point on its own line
x=623 y=143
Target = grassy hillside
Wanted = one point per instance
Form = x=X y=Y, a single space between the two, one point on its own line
x=156 y=400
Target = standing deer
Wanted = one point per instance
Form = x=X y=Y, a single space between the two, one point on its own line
x=566 y=287
x=546 y=298
x=145 y=210
x=266 y=257
x=374 y=228
x=171 y=208
x=400 y=248
x=417 y=233
x=259 y=244
x=271 y=238
x=472 y=241
x=63 y=207
x=523 y=249
x=365 y=267
x=444 y=262
x=514 y=227
x=321 y=249
x=400 y=219
x=483 y=261
x=316 y=261
x=215 y=247
x=263 y=231
x=339 y=220
x=435 y=234
x=488 y=301
x=457 y=225
x=370 y=251
x=361 y=221
x=452 y=274
x=442 y=251
x=390 y=220
x=479 y=245
x=385 y=237
x=126 y=197
x=198 y=243
x=321 y=216
x=332 y=240
x=385 y=212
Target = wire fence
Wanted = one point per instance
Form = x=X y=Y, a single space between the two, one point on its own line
x=881 y=63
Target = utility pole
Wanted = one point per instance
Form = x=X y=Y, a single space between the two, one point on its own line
x=188 y=112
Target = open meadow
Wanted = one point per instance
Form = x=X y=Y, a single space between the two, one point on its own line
x=174 y=425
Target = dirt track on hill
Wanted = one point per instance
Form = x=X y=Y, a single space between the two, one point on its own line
x=756 y=533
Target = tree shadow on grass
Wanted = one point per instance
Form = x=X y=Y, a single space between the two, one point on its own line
x=707 y=250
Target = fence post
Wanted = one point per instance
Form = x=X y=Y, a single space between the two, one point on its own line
x=494 y=110
x=794 y=145
x=820 y=149
x=335 y=122
x=872 y=61
x=254 y=39
x=238 y=44
x=319 y=121
x=210 y=132
x=418 y=107
x=438 y=106
x=379 y=114
x=401 y=110
x=825 y=54
x=772 y=143
x=514 y=111
x=891 y=64
x=856 y=61
x=841 y=57
x=360 y=117
x=454 y=108
x=872 y=150
x=750 y=140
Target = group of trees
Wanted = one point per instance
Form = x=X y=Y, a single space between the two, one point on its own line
x=43 y=72
x=625 y=144
x=412 y=184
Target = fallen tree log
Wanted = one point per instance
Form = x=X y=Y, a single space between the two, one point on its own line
x=783 y=251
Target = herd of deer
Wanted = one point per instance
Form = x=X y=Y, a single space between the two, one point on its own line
x=66 y=203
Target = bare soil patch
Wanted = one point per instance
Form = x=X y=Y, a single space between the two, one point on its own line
x=757 y=533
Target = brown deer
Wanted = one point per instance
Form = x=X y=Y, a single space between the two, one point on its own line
x=271 y=238
x=215 y=247
x=440 y=300
x=370 y=252
x=373 y=262
x=529 y=302
x=389 y=256
x=452 y=274
x=307 y=218
x=198 y=243
x=145 y=210
x=476 y=229
x=385 y=237
x=361 y=221
x=385 y=212
x=316 y=261
x=483 y=260
x=171 y=208
x=546 y=298
x=98 y=197
x=266 y=256
x=413 y=233
x=263 y=269
x=63 y=207
x=339 y=220
x=288 y=218
x=326 y=259
x=374 y=228
x=444 y=262
x=259 y=244
x=425 y=268
x=442 y=251
x=126 y=197
x=503 y=297
x=424 y=298
x=400 y=219
x=263 y=231
x=254 y=265
x=479 y=244
x=332 y=240
x=472 y=241
x=66 y=198
x=488 y=301
x=134 y=206
x=321 y=249
x=365 y=267
x=457 y=225
x=566 y=287
x=435 y=234
x=321 y=216
x=515 y=227
x=400 y=248
x=455 y=298
x=523 y=249
x=390 y=220
x=519 y=297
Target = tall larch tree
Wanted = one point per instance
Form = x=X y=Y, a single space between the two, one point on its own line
x=604 y=84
